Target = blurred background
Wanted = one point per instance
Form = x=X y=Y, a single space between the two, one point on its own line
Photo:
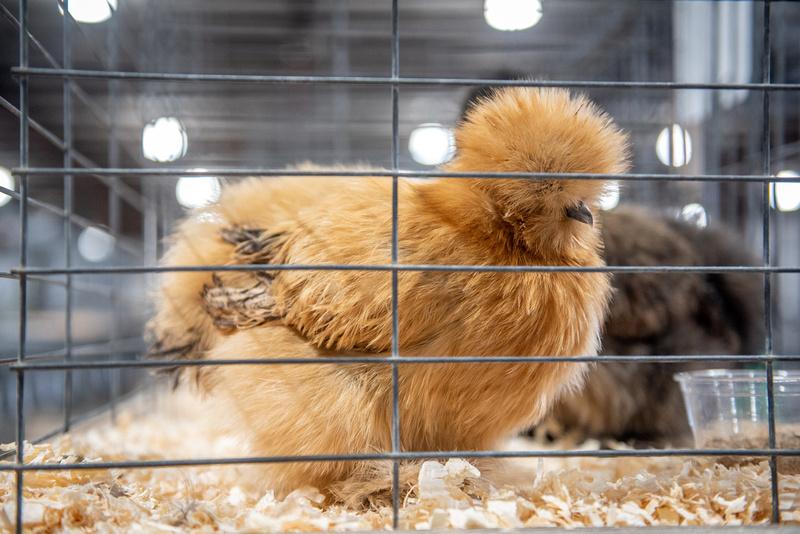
x=203 y=125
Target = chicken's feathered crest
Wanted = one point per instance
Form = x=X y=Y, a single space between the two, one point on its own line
x=535 y=130
x=540 y=130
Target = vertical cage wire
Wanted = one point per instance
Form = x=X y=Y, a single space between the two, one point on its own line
x=23 y=256
x=66 y=44
x=395 y=260
x=766 y=56
x=114 y=214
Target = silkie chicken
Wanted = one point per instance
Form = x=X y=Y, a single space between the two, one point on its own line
x=656 y=314
x=329 y=408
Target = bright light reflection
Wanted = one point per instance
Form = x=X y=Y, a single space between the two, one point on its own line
x=512 y=15
x=95 y=245
x=610 y=197
x=91 y=11
x=197 y=191
x=164 y=139
x=785 y=195
x=681 y=146
x=431 y=144
x=695 y=214
x=7 y=181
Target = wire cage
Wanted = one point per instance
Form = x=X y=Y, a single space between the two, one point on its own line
x=254 y=86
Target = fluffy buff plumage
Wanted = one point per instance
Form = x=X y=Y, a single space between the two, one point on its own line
x=335 y=409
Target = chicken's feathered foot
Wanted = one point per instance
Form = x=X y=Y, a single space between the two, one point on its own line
x=251 y=245
x=234 y=308
x=228 y=306
x=231 y=307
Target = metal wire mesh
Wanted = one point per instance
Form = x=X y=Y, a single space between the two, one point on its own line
x=65 y=359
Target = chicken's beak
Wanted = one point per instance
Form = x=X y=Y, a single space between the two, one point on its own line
x=580 y=212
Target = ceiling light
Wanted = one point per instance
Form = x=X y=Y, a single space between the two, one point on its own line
x=197 y=191
x=695 y=214
x=90 y=11
x=164 y=139
x=681 y=144
x=95 y=245
x=512 y=15
x=7 y=181
x=431 y=144
x=785 y=195
x=610 y=197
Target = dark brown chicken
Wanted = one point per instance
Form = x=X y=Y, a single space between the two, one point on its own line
x=662 y=314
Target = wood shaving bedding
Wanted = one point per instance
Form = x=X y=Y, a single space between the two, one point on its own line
x=564 y=492
x=755 y=435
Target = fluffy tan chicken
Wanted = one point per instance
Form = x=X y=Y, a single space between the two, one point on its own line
x=657 y=314
x=335 y=409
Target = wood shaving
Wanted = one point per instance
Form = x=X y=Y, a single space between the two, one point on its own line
x=754 y=435
x=561 y=492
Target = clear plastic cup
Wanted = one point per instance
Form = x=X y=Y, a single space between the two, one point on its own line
x=728 y=408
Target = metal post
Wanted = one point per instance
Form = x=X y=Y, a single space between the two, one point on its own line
x=114 y=213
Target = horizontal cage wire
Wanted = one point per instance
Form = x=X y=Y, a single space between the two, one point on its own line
x=378 y=80
x=124 y=350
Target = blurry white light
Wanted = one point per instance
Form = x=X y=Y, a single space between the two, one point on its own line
x=95 y=244
x=164 y=139
x=785 y=195
x=7 y=181
x=681 y=145
x=197 y=191
x=695 y=213
x=512 y=15
x=431 y=144
x=610 y=197
x=91 y=11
